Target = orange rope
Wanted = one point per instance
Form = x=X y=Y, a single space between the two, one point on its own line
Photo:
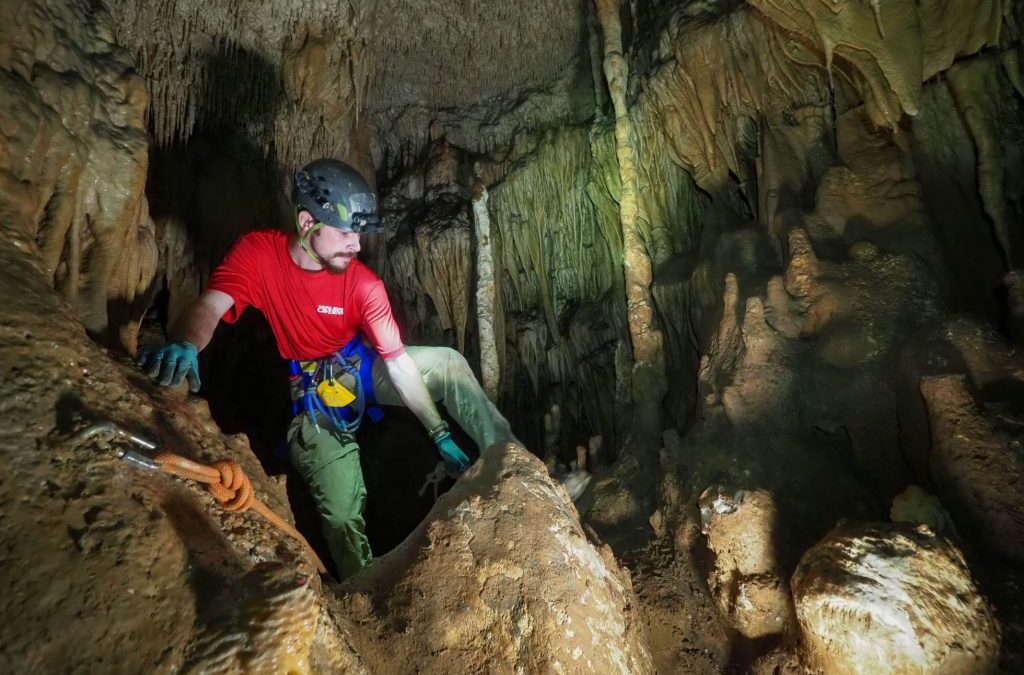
x=231 y=489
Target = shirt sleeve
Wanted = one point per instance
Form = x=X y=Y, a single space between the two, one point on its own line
x=238 y=277
x=379 y=323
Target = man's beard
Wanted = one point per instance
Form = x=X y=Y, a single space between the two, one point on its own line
x=339 y=262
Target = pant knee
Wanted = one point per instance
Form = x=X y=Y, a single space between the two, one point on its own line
x=456 y=364
x=346 y=524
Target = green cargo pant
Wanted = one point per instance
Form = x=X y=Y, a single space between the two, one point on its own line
x=329 y=461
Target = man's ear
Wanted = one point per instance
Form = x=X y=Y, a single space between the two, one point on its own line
x=305 y=220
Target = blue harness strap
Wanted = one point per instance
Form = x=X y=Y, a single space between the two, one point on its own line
x=367 y=355
x=347 y=418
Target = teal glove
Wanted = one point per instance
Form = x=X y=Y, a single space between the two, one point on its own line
x=170 y=362
x=455 y=460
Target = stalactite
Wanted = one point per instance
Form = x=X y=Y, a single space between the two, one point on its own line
x=489 y=65
x=991 y=117
x=648 y=377
x=290 y=76
x=762 y=72
x=561 y=192
x=500 y=87
x=552 y=248
x=594 y=46
x=444 y=269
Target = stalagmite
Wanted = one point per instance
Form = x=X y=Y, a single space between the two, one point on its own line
x=487 y=311
x=742 y=530
x=977 y=469
x=648 y=376
x=499 y=578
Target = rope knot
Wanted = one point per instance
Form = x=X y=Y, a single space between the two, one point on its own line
x=234 y=492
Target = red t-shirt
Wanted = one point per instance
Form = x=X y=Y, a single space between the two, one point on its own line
x=312 y=314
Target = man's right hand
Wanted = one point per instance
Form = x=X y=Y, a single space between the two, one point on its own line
x=170 y=362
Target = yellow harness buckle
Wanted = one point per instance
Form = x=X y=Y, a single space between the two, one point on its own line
x=334 y=395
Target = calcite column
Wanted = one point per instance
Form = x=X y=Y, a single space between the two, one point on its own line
x=486 y=292
x=648 y=374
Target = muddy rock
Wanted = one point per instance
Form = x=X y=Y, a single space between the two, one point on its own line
x=745 y=581
x=977 y=465
x=961 y=390
x=892 y=598
x=499 y=578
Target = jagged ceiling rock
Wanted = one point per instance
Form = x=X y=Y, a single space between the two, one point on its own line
x=500 y=578
x=459 y=54
x=892 y=598
x=302 y=77
x=776 y=56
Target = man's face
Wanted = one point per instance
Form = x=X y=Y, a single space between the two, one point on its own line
x=336 y=248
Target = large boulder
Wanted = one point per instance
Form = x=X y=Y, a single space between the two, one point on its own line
x=892 y=598
x=500 y=578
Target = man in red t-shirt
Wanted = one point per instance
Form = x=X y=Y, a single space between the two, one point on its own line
x=319 y=299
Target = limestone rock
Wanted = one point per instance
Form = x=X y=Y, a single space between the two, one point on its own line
x=915 y=505
x=499 y=578
x=978 y=467
x=745 y=581
x=961 y=345
x=892 y=598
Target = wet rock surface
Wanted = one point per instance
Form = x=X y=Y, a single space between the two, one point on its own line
x=892 y=598
x=963 y=428
x=977 y=468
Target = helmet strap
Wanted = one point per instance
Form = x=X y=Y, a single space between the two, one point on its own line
x=304 y=239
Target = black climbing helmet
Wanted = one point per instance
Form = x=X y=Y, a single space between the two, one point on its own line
x=336 y=195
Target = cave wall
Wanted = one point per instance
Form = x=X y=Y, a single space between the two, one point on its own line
x=96 y=554
x=242 y=95
x=75 y=155
x=758 y=133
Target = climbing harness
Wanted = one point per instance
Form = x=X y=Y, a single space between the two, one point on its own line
x=317 y=387
x=225 y=480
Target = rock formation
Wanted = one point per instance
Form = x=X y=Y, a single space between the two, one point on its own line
x=500 y=577
x=892 y=599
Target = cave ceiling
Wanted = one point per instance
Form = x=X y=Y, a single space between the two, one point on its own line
x=444 y=55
